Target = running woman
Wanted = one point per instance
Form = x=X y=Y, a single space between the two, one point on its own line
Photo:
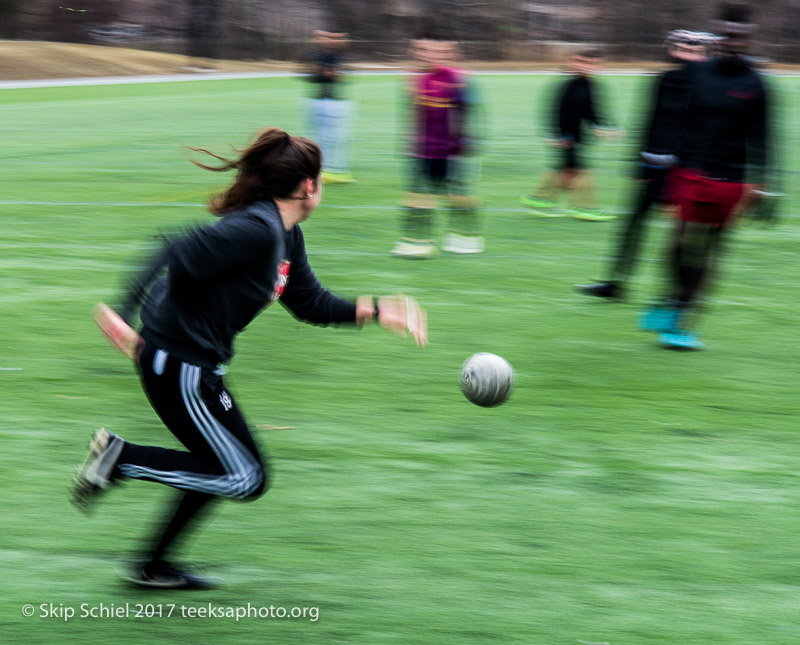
x=218 y=278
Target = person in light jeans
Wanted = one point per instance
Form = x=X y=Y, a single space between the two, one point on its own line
x=330 y=115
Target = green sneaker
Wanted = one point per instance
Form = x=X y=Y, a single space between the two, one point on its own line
x=542 y=207
x=337 y=177
x=591 y=216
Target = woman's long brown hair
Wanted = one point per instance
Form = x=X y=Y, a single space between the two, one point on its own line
x=272 y=166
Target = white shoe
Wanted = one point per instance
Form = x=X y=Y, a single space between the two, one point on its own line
x=415 y=250
x=455 y=243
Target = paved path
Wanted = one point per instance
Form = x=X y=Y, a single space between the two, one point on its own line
x=219 y=76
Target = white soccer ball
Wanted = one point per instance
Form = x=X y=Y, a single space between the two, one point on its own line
x=487 y=379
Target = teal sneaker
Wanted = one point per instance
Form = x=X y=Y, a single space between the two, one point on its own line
x=684 y=340
x=542 y=207
x=659 y=319
x=590 y=216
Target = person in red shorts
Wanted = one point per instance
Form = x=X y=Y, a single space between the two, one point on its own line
x=685 y=49
x=722 y=157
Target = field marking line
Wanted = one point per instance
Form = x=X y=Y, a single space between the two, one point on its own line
x=541 y=258
x=12 y=202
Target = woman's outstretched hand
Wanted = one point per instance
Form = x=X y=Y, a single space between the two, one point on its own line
x=398 y=313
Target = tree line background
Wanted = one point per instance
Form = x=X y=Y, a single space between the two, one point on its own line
x=487 y=29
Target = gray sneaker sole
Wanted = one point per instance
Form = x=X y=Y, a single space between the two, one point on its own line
x=94 y=474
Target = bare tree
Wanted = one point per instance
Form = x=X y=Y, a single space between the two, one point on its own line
x=202 y=27
x=629 y=29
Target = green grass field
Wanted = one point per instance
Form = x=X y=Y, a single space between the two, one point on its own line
x=624 y=495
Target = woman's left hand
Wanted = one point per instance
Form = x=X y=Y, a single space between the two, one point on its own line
x=402 y=314
x=365 y=310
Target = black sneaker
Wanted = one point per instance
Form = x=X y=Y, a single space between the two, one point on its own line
x=95 y=474
x=162 y=575
x=608 y=290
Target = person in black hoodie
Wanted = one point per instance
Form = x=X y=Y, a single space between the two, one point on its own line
x=722 y=159
x=671 y=97
x=577 y=107
x=218 y=278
